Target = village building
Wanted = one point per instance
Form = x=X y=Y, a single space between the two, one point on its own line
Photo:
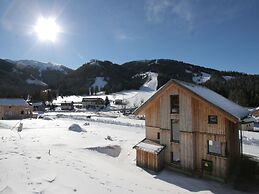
x=192 y=129
x=248 y=124
x=14 y=108
x=67 y=105
x=38 y=106
x=255 y=112
x=93 y=103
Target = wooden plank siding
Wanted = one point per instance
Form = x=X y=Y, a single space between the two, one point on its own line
x=195 y=131
x=149 y=160
x=152 y=114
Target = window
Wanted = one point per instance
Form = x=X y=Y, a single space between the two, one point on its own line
x=175 y=157
x=158 y=135
x=212 y=119
x=214 y=147
x=175 y=132
x=174 y=103
x=22 y=112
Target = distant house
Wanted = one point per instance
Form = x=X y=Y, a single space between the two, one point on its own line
x=119 y=102
x=14 y=108
x=38 y=106
x=93 y=103
x=192 y=129
x=67 y=105
x=256 y=112
x=248 y=124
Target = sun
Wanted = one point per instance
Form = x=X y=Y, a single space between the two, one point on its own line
x=47 y=29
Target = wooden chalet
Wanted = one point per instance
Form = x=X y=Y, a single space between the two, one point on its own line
x=67 y=105
x=14 y=108
x=190 y=128
x=93 y=103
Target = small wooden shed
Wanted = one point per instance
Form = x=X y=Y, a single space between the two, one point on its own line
x=150 y=155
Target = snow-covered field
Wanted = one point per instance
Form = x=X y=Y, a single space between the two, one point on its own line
x=47 y=157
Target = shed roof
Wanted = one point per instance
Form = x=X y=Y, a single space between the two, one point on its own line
x=149 y=146
x=13 y=102
x=208 y=95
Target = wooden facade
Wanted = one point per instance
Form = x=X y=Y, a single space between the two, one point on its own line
x=198 y=135
x=150 y=155
x=93 y=103
x=14 y=110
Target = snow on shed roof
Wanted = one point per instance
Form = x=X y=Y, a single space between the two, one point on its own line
x=13 y=102
x=214 y=98
x=149 y=146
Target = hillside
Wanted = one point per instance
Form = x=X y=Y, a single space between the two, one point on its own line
x=83 y=79
x=22 y=77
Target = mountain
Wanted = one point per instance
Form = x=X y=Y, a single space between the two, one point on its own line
x=27 y=76
x=48 y=73
x=83 y=79
x=19 y=78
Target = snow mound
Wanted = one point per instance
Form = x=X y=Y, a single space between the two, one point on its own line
x=7 y=190
x=36 y=82
x=201 y=77
x=111 y=150
x=47 y=118
x=76 y=128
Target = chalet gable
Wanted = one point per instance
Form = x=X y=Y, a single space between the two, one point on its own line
x=230 y=109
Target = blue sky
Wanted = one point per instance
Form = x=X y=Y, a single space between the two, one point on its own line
x=221 y=34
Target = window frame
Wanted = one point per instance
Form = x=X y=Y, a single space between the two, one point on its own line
x=212 y=119
x=172 y=138
x=158 y=135
x=211 y=152
x=174 y=161
x=173 y=105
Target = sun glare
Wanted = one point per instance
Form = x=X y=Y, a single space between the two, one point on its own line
x=47 y=29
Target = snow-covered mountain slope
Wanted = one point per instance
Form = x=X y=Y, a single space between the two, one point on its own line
x=40 y=66
x=36 y=82
x=133 y=98
x=201 y=77
x=99 y=82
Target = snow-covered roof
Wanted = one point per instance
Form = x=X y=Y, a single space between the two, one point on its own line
x=13 y=102
x=216 y=99
x=208 y=95
x=149 y=146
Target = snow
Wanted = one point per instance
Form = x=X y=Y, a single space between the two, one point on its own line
x=99 y=82
x=251 y=143
x=48 y=158
x=41 y=66
x=13 y=102
x=75 y=127
x=134 y=98
x=36 y=82
x=149 y=146
x=228 y=77
x=187 y=71
x=232 y=108
x=200 y=78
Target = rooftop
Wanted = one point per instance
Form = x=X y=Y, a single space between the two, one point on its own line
x=13 y=102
